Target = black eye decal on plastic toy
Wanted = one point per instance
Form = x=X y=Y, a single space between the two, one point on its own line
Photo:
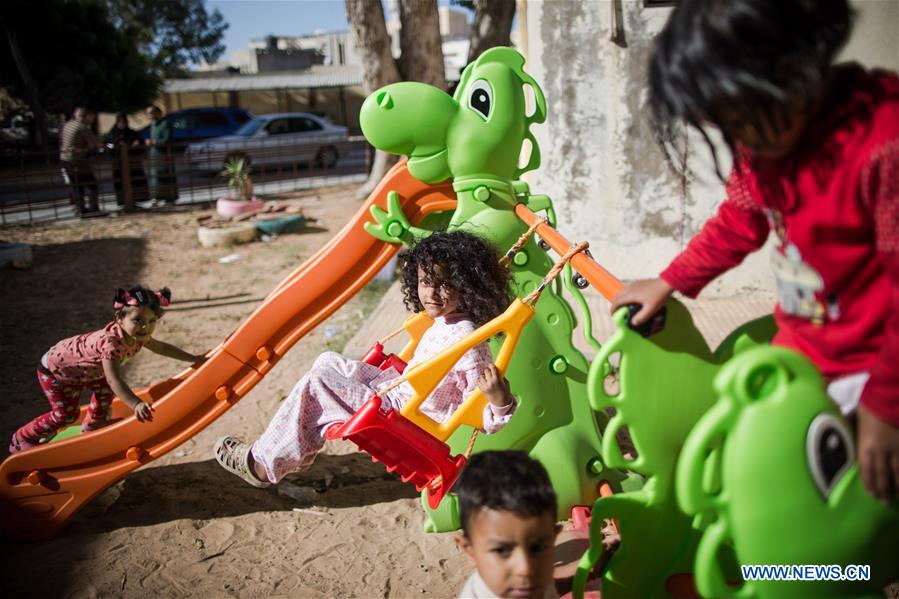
x=480 y=98
x=829 y=450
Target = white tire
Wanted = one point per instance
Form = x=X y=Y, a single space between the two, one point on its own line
x=227 y=235
x=17 y=254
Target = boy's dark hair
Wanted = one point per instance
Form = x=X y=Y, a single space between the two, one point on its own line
x=759 y=58
x=468 y=264
x=508 y=481
x=141 y=297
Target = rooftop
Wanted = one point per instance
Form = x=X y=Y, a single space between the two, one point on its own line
x=314 y=77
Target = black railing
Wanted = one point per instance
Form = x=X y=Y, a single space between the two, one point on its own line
x=33 y=185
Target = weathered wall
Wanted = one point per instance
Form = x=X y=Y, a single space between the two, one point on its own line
x=601 y=164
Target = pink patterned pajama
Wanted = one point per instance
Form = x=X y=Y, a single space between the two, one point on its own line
x=335 y=387
x=64 y=399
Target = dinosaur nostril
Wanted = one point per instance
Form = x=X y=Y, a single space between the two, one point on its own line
x=385 y=101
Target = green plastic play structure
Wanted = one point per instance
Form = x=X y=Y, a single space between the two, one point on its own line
x=742 y=491
x=789 y=488
x=475 y=138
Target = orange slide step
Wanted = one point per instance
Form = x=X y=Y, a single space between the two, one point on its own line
x=41 y=488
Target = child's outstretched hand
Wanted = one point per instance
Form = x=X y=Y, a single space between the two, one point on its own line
x=651 y=294
x=143 y=411
x=878 y=455
x=495 y=387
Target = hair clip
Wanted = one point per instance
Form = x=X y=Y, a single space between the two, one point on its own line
x=163 y=300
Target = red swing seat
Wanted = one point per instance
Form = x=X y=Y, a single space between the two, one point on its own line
x=400 y=444
x=376 y=357
x=403 y=447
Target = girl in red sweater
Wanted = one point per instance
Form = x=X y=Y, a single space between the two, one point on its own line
x=816 y=163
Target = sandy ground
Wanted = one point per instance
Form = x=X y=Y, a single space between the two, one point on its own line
x=181 y=526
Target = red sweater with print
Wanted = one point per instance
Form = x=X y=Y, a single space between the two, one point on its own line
x=834 y=206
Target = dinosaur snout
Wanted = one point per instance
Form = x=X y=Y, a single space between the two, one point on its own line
x=407 y=118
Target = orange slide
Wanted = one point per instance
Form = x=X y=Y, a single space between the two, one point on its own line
x=41 y=488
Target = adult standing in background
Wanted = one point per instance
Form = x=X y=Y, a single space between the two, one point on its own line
x=76 y=143
x=163 y=184
x=120 y=139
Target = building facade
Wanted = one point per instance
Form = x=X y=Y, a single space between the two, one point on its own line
x=601 y=164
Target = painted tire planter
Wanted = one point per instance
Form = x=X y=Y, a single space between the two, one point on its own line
x=230 y=208
x=227 y=235
x=17 y=254
x=292 y=223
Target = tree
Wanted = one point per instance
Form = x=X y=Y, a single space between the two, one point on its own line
x=421 y=58
x=65 y=53
x=421 y=47
x=171 y=33
x=492 y=24
x=30 y=88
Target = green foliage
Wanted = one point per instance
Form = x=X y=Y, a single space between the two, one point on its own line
x=171 y=33
x=237 y=172
x=75 y=55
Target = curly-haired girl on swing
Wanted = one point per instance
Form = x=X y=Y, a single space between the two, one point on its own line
x=457 y=280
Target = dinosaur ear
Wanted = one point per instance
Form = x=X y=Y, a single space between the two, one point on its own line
x=534 y=159
x=539 y=114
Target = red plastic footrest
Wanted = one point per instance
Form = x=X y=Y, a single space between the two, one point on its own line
x=403 y=447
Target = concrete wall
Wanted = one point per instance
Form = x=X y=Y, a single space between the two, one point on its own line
x=601 y=164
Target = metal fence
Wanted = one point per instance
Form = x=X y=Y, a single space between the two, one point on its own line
x=34 y=185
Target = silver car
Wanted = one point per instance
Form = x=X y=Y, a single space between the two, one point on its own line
x=280 y=138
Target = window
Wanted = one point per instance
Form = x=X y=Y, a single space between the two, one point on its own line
x=278 y=127
x=183 y=123
x=250 y=127
x=304 y=125
x=211 y=119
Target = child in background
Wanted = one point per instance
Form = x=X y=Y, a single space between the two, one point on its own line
x=816 y=161
x=93 y=360
x=457 y=280
x=508 y=511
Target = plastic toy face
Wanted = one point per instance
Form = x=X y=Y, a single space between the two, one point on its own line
x=478 y=132
x=790 y=483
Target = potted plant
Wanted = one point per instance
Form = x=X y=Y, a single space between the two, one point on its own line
x=241 y=200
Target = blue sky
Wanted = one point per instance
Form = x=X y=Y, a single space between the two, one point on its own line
x=254 y=19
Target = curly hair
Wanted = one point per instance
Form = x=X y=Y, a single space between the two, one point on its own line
x=467 y=264
x=141 y=297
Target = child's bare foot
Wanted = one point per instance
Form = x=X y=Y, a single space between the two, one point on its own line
x=91 y=424
x=17 y=444
x=233 y=455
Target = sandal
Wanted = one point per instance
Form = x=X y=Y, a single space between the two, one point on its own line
x=233 y=455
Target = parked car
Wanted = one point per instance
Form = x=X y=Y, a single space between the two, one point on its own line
x=272 y=139
x=194 y=124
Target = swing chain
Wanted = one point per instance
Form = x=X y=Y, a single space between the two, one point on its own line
x=533 y=296
x=522 y=241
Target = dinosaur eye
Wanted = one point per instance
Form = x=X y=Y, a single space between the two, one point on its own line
x=480 y=98
x=829 y=451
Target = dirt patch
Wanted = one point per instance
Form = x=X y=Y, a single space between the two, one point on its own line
x=181 y=526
